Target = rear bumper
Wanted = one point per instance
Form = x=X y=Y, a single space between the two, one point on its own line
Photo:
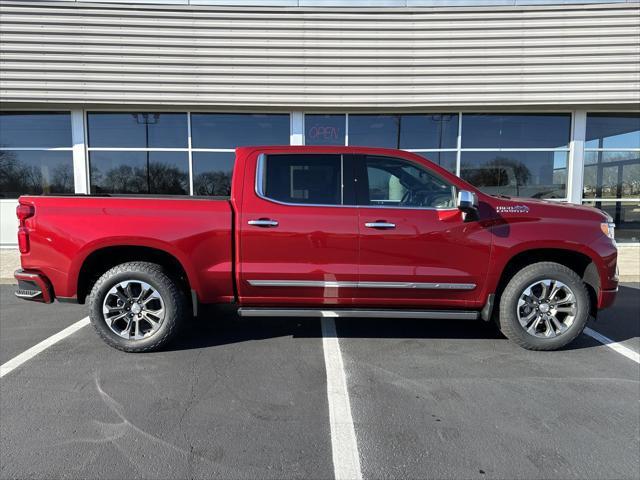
x=33 y=286
x=606 y=298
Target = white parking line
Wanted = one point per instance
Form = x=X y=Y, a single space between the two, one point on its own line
x=15 y=362
x=621 y=349
x=344 y=446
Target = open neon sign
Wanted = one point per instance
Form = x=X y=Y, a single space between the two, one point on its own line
x=324 y=132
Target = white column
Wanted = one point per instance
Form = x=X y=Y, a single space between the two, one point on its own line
x=190 y=153
x=458 y=144
x=80 y=170
x=575 y=171
x=297 y=128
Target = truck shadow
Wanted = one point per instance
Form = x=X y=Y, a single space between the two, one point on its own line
x=621 y=322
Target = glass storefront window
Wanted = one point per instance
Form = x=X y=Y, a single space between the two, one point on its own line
x=40 y=169
x=446 y=160
x=212 y=173
x=137 y=130
x=521 y=174
x=429 y=131
x=613 y=130
x=163 y=173
x=324 y=129
x=35 y=172
x=551 y=130
x=432 y=131
x=231 y=130
x=611 y=174
x=626 y=216
x=35 y=130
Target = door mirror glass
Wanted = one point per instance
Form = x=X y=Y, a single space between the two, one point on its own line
x=468 y=204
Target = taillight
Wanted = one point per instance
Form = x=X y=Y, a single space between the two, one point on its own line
x=23 y=239
x=23 y=212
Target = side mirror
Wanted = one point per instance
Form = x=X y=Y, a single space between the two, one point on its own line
x=468 y=204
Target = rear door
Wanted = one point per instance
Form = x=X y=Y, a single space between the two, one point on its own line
x=298 y=239
x=415 y=248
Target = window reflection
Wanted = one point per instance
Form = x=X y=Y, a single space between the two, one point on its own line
x=231 y=130
x=137 y=130
x=446 y=160
x=140 y=172
x=404 y=131
x=212 y=173
x=551 y=130
x=611 y=174
x=613 y=130
x=522 y=174
x=35 y=130
x=35 y=172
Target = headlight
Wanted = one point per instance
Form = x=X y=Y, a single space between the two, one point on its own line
x=608 y=228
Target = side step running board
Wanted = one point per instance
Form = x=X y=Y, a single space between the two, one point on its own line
x=353 y=313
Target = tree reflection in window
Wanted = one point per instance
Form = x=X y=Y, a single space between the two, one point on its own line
x=523 y=174
x=212 y=173
x=164 y=173
x=35 y=172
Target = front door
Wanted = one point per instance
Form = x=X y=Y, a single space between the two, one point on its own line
x=415 y=248
x=298 y=242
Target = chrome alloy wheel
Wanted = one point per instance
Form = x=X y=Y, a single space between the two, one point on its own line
x=547 y=308
x=133 y=309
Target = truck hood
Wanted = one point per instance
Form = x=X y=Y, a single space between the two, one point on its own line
x=531 y=207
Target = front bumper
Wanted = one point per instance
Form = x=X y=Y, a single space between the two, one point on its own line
x=33 y=286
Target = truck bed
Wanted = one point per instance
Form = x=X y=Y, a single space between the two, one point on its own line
x=66 y=230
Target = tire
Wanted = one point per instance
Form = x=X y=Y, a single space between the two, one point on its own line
x=153 y=305
x=516 y=306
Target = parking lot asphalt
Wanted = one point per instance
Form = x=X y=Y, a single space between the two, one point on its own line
x=247 y=398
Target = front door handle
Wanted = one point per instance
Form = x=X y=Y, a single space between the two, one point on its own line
x=380 y=224
x=263 y=222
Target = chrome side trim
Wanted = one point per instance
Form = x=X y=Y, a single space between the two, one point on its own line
x=301 y=283
x=354 y=313
x=348 y=284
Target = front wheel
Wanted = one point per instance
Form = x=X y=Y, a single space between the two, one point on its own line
x=544 y=306
x=137 y=307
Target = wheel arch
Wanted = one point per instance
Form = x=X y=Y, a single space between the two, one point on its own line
x=102 y=259
x=579 y=262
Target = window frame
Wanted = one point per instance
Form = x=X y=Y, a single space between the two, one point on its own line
x=359 y=169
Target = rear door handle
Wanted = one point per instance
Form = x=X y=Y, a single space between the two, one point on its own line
x=263 y=222
x=380 y=224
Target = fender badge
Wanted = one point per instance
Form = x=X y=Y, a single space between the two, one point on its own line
x=512 y=209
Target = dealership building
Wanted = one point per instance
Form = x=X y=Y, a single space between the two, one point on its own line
x=535 y=98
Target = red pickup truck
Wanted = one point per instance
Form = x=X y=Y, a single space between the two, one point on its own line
x=321 y=231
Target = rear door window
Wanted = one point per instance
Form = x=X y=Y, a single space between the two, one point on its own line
x=303 y=179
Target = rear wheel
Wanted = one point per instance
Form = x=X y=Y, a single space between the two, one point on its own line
x=544 y=306
x=137 y=307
